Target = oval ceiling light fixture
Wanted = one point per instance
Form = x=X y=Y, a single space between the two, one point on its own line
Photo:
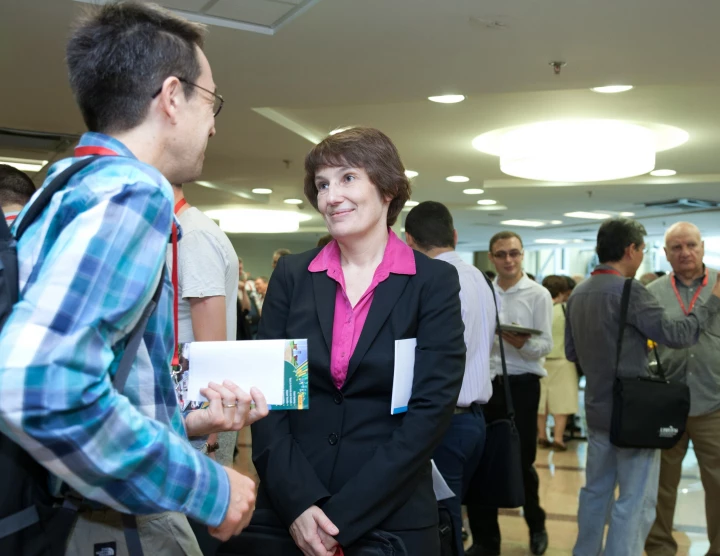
x=588 y=215
x=339 y=130
x=487 y=202
x=458 y=179
x=578 y=151
x=523 y=223
x=666 y=173
x=411 y=204
x=551 y=241
x=555 y=222
x=626 y=214
x=293 y=201
x=447 y=99
x=262 y=191
x=410 y=174
x=239 y=220
x=473 y=191
x=611 y=89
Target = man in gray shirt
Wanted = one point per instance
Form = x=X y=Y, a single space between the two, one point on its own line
x=591 y=339
x=698 y=366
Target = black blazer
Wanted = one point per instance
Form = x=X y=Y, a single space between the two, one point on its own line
x=365 y=468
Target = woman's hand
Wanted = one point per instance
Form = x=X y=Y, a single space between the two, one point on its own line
x=515 y=339
x=313 y=533
x=230 y=409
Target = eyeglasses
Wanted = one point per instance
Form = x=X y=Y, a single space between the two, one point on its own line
x=502 y=255
x=218 y=102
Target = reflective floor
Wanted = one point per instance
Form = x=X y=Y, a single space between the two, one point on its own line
x=561 y=477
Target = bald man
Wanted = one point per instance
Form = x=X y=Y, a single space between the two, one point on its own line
x=690 y=282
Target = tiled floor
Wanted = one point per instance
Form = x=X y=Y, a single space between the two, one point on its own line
x=561 y=477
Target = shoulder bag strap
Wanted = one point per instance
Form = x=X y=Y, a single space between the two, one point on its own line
x=506 y=379
x=624 y=304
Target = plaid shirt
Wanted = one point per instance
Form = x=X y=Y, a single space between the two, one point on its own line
x=88 y=267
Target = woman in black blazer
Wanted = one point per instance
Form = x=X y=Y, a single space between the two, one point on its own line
x=347 y=467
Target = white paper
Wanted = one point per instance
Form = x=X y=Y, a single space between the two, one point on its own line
x=403 y=375
x=441 y=488
x=258 y=363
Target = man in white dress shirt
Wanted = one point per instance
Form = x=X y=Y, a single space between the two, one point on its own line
x=429 y=229
x=525 y=303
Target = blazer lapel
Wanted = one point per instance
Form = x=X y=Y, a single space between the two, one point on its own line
x=386 y=296
x=325 y=289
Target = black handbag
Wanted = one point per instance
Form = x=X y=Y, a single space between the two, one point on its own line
x=648 y=412
x=498 y=480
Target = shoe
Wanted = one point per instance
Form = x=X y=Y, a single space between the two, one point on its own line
x=559 y=447
x=477 y=550
x=544 y=443
x=539 y=542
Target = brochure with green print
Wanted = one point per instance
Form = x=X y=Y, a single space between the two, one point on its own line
x=278 y=368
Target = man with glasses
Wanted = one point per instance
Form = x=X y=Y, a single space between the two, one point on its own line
x=526 y=303
x=591 y=335
x=688 y=284
x=89 y=266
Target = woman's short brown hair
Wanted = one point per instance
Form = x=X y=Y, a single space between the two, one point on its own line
x=366 y=148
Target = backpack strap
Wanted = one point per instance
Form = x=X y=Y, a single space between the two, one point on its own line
x=42 y=200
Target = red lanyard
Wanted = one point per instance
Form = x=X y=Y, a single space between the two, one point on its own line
x=176 y=356
x=605 y=271
x=87 y=151
x=10 y=219
x=695 y=297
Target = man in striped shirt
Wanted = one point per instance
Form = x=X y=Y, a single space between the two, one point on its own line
x=429 y=229
x=88 y=267
x=16 y=188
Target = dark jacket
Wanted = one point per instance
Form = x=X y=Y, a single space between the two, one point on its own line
x=365 y=468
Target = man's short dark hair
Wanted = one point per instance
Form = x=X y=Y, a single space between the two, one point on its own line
x=556 y=285
x=507 y=234
x=16 y=187
x=119 y=56
x=431 y=225
x=615 y=235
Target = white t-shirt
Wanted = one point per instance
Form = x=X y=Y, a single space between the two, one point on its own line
x=207 y=267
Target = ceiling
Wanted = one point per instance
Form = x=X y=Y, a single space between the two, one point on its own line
x=374 y=62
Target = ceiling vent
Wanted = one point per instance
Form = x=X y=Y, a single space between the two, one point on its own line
x=683 y=204
x=258 y=16
x=17 y=139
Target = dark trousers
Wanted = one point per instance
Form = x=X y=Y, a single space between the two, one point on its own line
x=457 y=458
x=525 y=390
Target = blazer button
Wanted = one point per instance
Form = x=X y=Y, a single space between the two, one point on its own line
x=333 y=439
x=338 y=398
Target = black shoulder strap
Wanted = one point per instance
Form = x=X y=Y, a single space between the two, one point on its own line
x=42 y=200
x=506 y=380
x=131 y=349
x=624 y=304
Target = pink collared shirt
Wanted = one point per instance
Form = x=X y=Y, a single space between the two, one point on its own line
x=349 y=321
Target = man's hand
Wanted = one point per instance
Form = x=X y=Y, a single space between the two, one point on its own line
x=313 y=533
x=515 y=340
x=230 y=409
x=240 y=509
x=716 y=287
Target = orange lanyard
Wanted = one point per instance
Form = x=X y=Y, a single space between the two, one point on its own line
x=695 y=297
x=176 y=356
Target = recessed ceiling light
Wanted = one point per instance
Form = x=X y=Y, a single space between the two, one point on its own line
x=588 y=215
x=577 y=151
x=411 y=174
x=257 y=221
x=458 y=179
x=663 y=173
x=612 y=89
x=627 y=214
x=293 y=201
x=262 y=191
x=487 y=202
x=551 y=241
x=555 y=222
x=525 y=223
x=473 y=191
x=447 y=99
x=411 y=203
x=24 y=164
x=578 y=241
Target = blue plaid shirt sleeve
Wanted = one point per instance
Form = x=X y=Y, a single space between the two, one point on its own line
x=64 y=340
